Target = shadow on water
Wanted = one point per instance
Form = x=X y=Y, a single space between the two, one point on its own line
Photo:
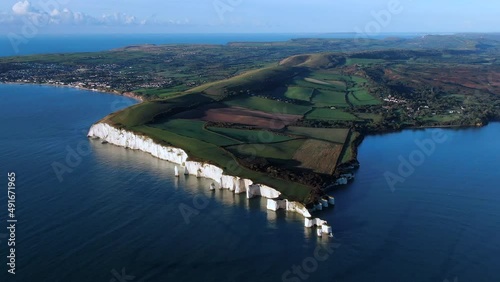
x=120 y=158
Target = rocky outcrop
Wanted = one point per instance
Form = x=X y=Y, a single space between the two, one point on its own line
x=131 y=140
x=275 y=205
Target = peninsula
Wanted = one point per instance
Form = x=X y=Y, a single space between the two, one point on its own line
x=282 y=120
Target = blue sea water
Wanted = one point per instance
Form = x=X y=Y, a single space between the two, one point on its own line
x=42 y=44
x=121 y=209
x=117 y=211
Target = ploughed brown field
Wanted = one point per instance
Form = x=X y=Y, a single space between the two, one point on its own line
x=250 y=117
x=320 y=156
x=468 y=77
x=238 y=115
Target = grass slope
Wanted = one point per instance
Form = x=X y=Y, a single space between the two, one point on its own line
x=328 y=114
x=202 y=151
x=336 y=135
x=269 y=106
x=250 y=136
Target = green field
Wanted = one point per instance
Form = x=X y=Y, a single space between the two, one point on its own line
x=330 y=88
x=269 y=106
x=325 y=75
x=283 y=151
x=333 y=78
x=328 y=114
x=349 y=148
x=250 y=136
x=162 y=92
x=147 y=112
x=358 y=80
x=369 y=116
x=308 y=84
x=327 y=98
x=337 y=135
x=361 y=97
x=299 y=93
x=196 y=129
x=248 y=82
x=202 y=151
x=138 y=114
x=196 y=149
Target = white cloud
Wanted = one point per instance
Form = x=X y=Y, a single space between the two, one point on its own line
x=61 y=15
x=55 y=13
x=22 y=7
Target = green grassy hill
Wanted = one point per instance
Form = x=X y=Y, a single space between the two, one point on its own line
x=226 y=122
x=295 y=124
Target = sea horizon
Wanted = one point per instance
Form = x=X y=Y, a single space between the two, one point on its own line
x=73 y=43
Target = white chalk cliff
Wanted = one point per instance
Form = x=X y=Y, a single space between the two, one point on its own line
x=127 y=139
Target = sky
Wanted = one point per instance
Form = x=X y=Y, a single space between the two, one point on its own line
x=248 y=16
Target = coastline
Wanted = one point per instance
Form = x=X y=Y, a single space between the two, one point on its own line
x=232 y=183
x=131 y=140
x=449 y=126
x=423 y=127
x=131 y=95
x=235 y=183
